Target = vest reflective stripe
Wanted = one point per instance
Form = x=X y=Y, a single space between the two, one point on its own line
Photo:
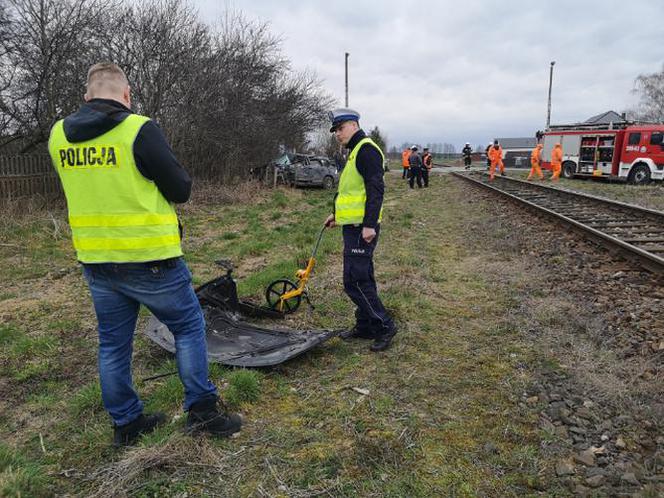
x=100 y=220
x=92 y=243
x=116 y=215
x=351 y=199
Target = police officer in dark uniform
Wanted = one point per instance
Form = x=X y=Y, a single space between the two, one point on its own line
x=358 y=209
x=416 y=165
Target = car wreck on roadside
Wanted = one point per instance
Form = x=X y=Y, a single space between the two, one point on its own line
x=301 y=170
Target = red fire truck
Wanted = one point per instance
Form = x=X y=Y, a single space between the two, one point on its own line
x=630 y=151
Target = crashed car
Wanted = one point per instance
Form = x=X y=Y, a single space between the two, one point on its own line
x=305 y=170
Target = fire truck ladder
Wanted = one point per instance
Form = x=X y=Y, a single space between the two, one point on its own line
x=634 y=232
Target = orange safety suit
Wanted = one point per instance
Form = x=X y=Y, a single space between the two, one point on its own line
x=404 y=162
x=535 y=163
x=556 y=161
x=496 y=157
x=404 y=158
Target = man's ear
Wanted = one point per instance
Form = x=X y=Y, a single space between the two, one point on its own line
x=86 y=97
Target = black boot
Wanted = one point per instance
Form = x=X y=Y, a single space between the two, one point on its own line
x=384 y=339
x=357 y=333
x=126 y=435
x=205 y=416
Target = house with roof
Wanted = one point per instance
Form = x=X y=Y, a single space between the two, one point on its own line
x=607 y=117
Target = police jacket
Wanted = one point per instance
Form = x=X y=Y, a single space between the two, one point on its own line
x=369 y=164
x=154 y=158
x=467 y=151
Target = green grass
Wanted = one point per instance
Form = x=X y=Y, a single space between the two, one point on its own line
x=19 y=476
x=445 y=388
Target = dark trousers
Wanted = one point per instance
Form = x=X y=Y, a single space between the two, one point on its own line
x=359 y=281
x=405 y=173
x=425 y=176
x=415 y=174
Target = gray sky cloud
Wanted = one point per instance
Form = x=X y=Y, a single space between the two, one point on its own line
x=450 y=71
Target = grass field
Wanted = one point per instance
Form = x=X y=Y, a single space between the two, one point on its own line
x=443 y=414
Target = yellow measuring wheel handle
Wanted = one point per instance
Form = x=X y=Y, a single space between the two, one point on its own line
x=302 y=277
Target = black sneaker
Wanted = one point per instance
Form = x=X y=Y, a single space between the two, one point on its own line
x=128 y=434
x=205 y=416
x=357 y=333
x=383 y=341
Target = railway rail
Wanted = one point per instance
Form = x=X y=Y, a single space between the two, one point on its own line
x=634 y=232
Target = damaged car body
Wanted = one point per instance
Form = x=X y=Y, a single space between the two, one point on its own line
x=232 y=340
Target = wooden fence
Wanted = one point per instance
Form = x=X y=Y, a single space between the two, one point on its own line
x=27 y=175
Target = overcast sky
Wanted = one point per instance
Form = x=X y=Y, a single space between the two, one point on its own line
x=456 y=71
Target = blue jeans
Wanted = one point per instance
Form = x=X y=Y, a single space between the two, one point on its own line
x=164 y=288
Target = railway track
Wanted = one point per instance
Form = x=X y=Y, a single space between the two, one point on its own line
x=634 y=232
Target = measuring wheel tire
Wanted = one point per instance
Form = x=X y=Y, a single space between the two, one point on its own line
x=277 y=289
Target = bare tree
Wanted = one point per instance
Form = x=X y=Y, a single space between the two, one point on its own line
x=324 y=143
x=45 y=49
x=225 y=95
x=650 y=88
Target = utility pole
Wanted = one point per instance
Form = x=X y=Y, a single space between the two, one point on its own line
x=548 y=113
x=347 y=54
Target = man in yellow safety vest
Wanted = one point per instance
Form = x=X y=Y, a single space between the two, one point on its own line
x=358 y=209
x=120 y=179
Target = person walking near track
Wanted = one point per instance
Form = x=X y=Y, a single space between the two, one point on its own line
x=467 y=152
x=556 y=161
x=535 y=158
x=496 y=156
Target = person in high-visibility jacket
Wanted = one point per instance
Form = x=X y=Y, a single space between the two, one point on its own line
x=120 y=180
x=358 y=209
x=496 y=157
x=556 y=161
x=535 y=158
x=427 y=164
x=404 y=163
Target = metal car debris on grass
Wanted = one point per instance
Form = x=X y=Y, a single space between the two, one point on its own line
x=231 y=339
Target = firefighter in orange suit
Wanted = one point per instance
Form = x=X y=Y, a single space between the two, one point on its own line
x=404 y=162
x=556 y=161
x=496 y=157
x=535 y=158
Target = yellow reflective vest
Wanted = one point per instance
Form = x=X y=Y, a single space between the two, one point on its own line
x=115 y=213
x=352 y=195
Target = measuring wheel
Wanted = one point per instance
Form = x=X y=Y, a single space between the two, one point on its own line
x=279 y=288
